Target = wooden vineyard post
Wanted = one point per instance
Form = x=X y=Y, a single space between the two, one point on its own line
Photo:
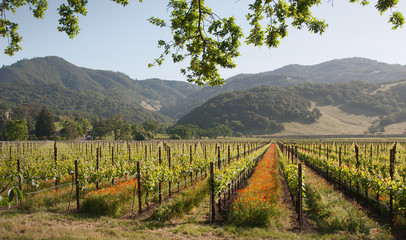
x=56 y=164
x=357 y=165
x=19 y=171
x=10 y=156
x=139 y=187
x=335 y=145
x=366 y=189
x=146 y=152
x=218 y=158
x=212 y=208
x=290 y=149
x=129 y=151
x=191 y=161
x=97 y=167
x=77 y=185
x=169 y=166
x=365 y=149
x=391 y=171
x=339 y=165
x=100 y=153
x=229 y=156
x=299 y=197
x=219 y=167
x=160 y=180
x=296 y=153
x=319 y=150
x=112 y=162
x=327 y=160
x=135 y=185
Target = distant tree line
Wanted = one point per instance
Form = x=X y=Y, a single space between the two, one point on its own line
x=189 y=131
x=32 y=122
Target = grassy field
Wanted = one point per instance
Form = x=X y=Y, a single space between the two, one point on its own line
x=334 y=121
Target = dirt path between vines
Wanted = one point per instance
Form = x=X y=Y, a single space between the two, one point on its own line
x=286 y=201
x=308 y=226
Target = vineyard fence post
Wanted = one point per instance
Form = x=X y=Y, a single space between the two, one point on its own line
x=77 y=185
x=139 y=187
x=299 y=197
x=212 y=209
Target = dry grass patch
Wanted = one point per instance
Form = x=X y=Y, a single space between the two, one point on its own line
x=334 y=121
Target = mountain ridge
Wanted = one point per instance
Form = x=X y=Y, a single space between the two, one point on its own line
x=102 y=93
x=81 y=88
x=333 y=71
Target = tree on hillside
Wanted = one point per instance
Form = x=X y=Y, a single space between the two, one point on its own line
x=44 y=126
x=186 y=131
x=139 y=133
x=224 y=130
x=219 y=130
x=70 y=130
x=28 y=111
x=151 y=126
x=16 y=130
x=74 y=127
x=4 y=118
x=100 y=128
x=120 y=128
x=199 y=34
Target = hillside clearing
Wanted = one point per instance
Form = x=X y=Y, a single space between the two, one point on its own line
x=396 y=128
x=334 y=121
x=386 y=87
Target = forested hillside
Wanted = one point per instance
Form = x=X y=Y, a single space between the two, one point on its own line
x=64 y=88
x=335 y=71
x=261 y=109
x=288 y=94
x=268 y=107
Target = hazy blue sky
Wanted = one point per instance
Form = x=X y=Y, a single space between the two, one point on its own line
x=120 y=38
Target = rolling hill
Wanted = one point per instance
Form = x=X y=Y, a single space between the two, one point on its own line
x=62 y=86
x=335 y=71
x=66 y=88
x=306 y=109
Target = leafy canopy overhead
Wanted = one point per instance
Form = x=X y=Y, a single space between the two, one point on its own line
x=207 y=40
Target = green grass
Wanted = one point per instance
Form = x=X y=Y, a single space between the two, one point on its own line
x=332 y=213
x=162 y=136
x=181 y=203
